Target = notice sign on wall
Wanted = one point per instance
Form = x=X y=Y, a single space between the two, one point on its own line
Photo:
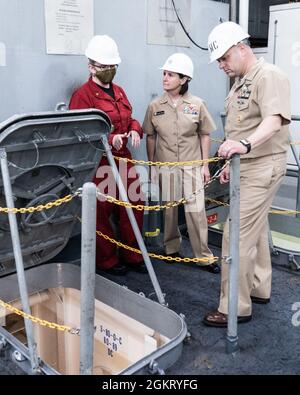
x=69 y=26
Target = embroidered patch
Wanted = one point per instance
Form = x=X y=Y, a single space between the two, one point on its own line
x=158 y=113
x=191 y=109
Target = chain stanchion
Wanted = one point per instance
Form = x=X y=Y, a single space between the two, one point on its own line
x=18 y=258
x=87 y=295
x=234 y=259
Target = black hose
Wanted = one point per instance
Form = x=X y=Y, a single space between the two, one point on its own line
x=185 y=31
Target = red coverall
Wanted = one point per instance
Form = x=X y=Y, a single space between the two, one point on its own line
x=90 y=95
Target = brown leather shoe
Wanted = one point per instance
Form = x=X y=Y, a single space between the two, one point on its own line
x=219 y=320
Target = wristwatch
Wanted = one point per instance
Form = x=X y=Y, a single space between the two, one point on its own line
x=246 y=144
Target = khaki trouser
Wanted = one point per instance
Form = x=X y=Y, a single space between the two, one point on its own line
x=260 y=180
x=178 y=182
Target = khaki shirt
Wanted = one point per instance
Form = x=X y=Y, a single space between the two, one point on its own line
x=178 y=129
x=264 y=91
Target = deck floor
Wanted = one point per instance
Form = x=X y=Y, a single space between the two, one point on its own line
x=269 y=344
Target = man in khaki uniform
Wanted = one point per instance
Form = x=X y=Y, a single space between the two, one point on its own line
x=258 y=112
x=178 y=127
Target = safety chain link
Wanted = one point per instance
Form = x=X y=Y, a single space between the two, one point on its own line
x=170 y=164
x=222 y=141
x=175 y=164
x=161 y=257
x=284 y=212
x=210 y=260
x=217 y=202
x=40 y=207
x=277 y=212
x=39 y=321
x=140 y=207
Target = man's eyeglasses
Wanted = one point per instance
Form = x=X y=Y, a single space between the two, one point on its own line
x=103 y=67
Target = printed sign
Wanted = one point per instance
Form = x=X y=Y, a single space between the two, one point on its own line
x=69 y=26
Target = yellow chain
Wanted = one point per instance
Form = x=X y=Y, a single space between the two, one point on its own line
x=277 y=212
x=284 y=212
x=140 y=207
x=172 y=164
x=40 y=207
x=175 y=164
x=161 y=257
x=217 y=202
x=39 y=321
x=222 y=141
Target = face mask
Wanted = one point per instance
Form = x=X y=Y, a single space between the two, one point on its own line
x=106 y=76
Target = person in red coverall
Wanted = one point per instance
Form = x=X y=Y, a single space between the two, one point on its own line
x=99 y=92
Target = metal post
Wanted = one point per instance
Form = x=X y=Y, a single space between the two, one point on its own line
x=233 y=11
x=19 y=261
x=133 y=222
x=275 y=41
x=298 y=165
x=244 y=14
x=298 y=195
x=234 y=231
x=87 y=297
x=270 y=239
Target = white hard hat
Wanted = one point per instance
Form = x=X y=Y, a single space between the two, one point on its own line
x=179 y=63
x=104 y=50
x=223 y=37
